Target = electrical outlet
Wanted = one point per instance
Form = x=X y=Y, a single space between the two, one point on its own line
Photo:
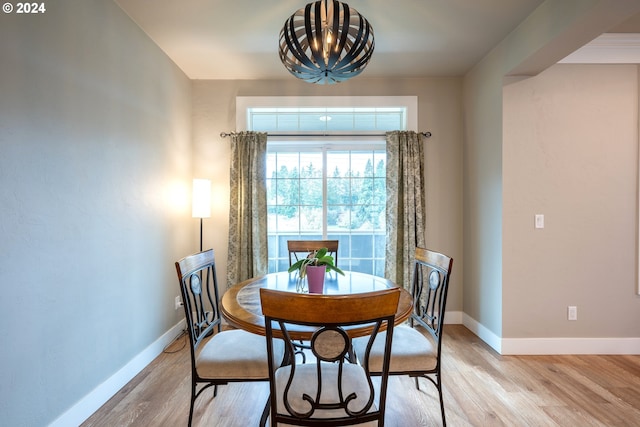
x=572 y=312
x=177 y=303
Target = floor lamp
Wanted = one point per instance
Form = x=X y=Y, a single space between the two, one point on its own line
x=201 y=202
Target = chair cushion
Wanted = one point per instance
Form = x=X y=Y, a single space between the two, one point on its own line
x=410 y=351
x=354 y=380
x=237 y=354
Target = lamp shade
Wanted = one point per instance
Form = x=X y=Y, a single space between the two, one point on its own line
x=201 y=198
x=326 y=42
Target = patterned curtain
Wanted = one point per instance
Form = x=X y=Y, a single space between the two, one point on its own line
x=248 y=207
x=405 y=204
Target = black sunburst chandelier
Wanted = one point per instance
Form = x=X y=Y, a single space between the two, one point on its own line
x=326 y=42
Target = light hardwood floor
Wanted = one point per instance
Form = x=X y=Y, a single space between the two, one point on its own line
x=481 y=388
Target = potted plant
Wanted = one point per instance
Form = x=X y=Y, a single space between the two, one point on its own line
x=314 y=267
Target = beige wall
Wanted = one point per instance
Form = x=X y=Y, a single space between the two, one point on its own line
x=550 y=33
x=440 y=112
x=94 y=199
x=483 y=199
x=570 y=152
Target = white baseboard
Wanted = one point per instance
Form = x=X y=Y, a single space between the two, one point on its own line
x=90 y=403
x=541 y=346
x=482 y=332
x=549 y=346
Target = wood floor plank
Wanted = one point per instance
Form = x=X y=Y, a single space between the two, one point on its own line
x=481 y=388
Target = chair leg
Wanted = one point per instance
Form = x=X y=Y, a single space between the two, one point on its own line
x=265 y=413
x=444 y=420
x=193 y=401
x=439 y=387
x=194 y=396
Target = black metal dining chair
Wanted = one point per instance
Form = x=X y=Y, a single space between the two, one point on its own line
x=217 y=356
x=417 y=346
x=332 y=391
x=301 y=249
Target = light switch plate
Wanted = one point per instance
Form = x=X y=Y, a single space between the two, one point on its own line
x=539 y=221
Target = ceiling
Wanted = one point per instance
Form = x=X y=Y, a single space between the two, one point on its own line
x=223 y=39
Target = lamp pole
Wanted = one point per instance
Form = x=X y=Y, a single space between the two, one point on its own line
x=201 y=202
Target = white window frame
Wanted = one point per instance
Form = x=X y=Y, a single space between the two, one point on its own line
x=243 y=103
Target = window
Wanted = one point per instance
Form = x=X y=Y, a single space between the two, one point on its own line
x=323 y=192
x=326 y=120
x=326 y=168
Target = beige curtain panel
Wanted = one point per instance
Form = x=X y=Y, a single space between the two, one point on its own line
x=248 y=207
x=405 y=204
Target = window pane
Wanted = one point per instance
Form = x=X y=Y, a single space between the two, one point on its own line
x=287 y=192
x=362 y=164
x=271 y=192
x=341 y=219
x=379 y=246
x=378 y=269
x=287 y=164
x=340 y=122
x=312 y=122
x=361 y=246
x=264 y=121
x=310 y=218
x=389 y=122
x=311 y=165
x=380 y=162
x=338 y=191
x=287 y=122
x=338 y=163
x=366 y=121
x=311 y=192
x=335 y=217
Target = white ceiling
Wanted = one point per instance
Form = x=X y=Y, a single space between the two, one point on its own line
x=238 y=39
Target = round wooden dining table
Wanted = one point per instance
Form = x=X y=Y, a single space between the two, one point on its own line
x=240 y=304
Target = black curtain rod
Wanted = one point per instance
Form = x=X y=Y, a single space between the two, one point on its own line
x=304 y=135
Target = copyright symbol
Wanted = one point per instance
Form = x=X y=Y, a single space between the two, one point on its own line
x=7 y=8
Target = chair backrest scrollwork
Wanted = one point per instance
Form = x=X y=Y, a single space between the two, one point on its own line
x=331 y=387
